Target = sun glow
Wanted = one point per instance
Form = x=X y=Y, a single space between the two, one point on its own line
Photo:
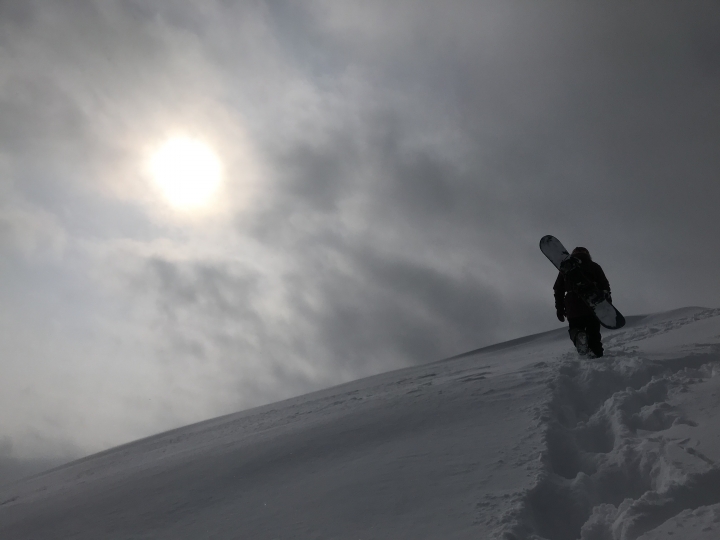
x=187 y=171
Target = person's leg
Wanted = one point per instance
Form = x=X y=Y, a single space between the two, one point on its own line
x=574 y=328
x=578 y=334
x=592 y=327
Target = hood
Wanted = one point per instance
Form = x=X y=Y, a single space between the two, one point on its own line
x=582 y=254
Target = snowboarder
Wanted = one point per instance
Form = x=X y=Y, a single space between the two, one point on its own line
x=584 y=327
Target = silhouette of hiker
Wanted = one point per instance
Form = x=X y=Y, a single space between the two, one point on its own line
x=584 y=328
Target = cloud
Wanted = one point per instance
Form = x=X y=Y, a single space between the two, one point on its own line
x=390 y=170
x=14 y=467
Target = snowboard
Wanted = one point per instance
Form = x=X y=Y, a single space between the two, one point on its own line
x=571 y=267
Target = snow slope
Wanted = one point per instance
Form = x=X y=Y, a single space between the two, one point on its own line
x=520 y=440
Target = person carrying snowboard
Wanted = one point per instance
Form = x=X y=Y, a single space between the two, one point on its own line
x=584 y=328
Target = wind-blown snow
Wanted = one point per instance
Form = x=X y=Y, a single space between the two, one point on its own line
x=522 y=440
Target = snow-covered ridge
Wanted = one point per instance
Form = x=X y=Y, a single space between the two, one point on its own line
x=632 y=441
x=522 y=440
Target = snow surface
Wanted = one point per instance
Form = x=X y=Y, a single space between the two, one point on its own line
x=521 y=440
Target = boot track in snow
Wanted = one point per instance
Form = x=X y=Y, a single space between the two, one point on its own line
x=607 y=474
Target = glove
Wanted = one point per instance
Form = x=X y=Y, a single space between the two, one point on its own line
x=561 y=314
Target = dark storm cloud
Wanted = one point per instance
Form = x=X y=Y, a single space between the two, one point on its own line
x=555 y=128
x=222 y=293
x=389 y=305
x=598 y=123
x=212 y=314
x=398 y=310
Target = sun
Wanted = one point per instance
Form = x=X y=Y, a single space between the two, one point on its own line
x=187 y=171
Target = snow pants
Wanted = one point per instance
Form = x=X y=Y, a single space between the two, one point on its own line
x=591 y=327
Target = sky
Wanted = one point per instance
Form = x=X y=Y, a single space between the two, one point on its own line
x=386 y=172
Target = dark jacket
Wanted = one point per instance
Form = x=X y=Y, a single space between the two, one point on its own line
x=567 y=300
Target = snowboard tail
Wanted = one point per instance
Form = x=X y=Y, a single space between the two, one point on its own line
x=571 y=268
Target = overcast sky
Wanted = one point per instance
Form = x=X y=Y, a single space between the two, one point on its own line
x=388 y=170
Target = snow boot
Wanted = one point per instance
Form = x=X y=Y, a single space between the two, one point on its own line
x=581 y=343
